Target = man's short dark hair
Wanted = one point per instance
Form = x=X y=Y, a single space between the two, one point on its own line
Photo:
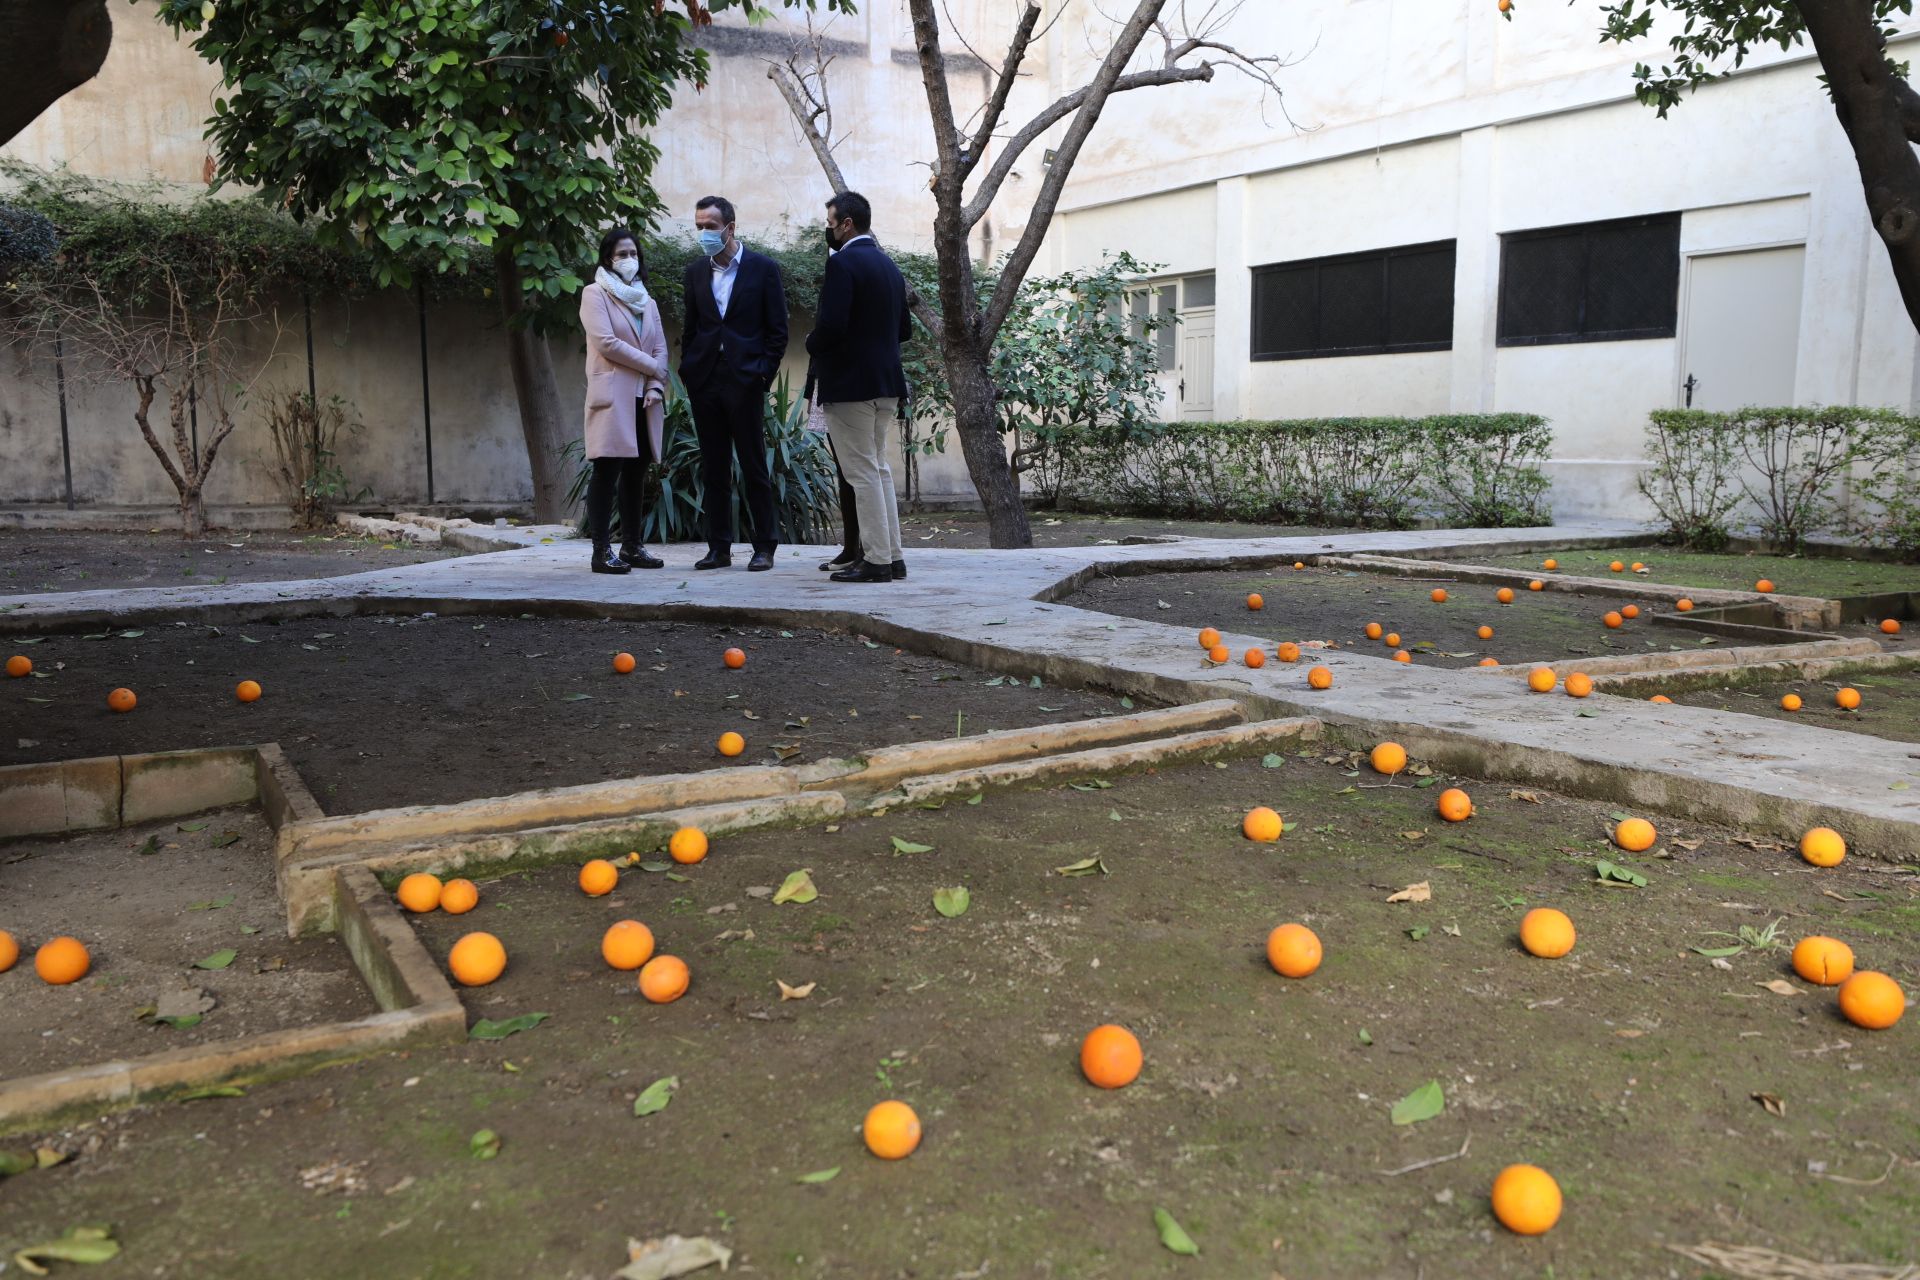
x=851 y=204
x=724 y=205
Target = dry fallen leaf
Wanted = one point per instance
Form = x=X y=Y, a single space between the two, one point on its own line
x=1422 y=892
x=795 y=993
x=1775 y=1105
x=1531 y=797
x=1413 y=835
x=1688 y=845
x=673 y=1256
x=1629 y=1033
x=1781 y=987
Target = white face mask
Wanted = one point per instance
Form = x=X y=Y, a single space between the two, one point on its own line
x=626 y=268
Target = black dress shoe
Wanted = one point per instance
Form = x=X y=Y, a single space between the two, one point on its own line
x=714 y=560
x=761 y=562
x=899 y=569
x=605 y=561
x=864 y=572
x=845 y=560
x=639 y=559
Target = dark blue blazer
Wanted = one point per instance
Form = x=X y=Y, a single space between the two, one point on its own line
x=750 y=339
x=861 y=323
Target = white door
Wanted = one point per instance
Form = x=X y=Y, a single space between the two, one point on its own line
x=1196 y=363
x=1742 y=328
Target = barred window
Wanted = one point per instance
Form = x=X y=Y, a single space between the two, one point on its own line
x=1353 y=304
x=1594 y=282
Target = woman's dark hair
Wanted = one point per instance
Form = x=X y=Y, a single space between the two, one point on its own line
x=611 y=241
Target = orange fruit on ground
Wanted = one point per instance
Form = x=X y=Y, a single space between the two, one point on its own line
x=730 y=744
x=1219 y=654
x=1637 y=566
x=1635 y=835
x=1504 y=595
x=1790 y=702
x=247 y=691
x=1546 y=933
x=1375 y=631
x=1320 y=678
x=1489 y=662
x=1890 y=626
x=1298 y=565
x=459 y=897
x=1392 y=640
x=1823 y=961
x=9 y=951
x=598 y=878
x=1579 y=685
x=1847 y=699
x=627 y=944
x=121 y=700
x=1526 y=1199
x=1110 y=1057
x=1256 y=657
x=1823 y=847
x=1661 y=697
x=734 y=658
x=1209 y=638
x=61 y=960
x=1872 y=1000
x=623 y=663
x=1684 y=605
x=1256 y=601
x=476 y=960
x=1293 y=950
x=1542 y=679
x=420 y=892
x=1439 y=595
x=1401 y=655
x=1763 y=586
x=1485 y=633
x=688 y=845
x=1630 y=611
x=664 y=979
x=20 y=664
x=1612 y=619
x=1388 y=758
x=891 y=1130
x=1288 y=651
x=1616 y=566
x=1261 y=824
x=1454 y=805
x=1549 y=565
x=1536 y=585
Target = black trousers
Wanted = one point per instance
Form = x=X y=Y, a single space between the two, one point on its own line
x=729 y=419
x=629 y=475
x=849 y=514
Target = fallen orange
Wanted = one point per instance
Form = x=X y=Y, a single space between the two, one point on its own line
x=1546 y=933
x=627 y=944
x=1872 y=1000
x=1438 y=595
x=1763 y=586
x=1401 y=655
x=1293 y=950
x=420 y=892
x=122 y=700
x=730 y=744
x=1635 y=835
x=1261 y=824
x=1823 y=961
x=1110 y=1057
x=1256 y=658
x=891 y=1130
x=1542 y=679
x=62 y=960
x=247 y=691
x=1579 y=685
x=1847 y=699
x=1485 y=633
x=1630 y=611
x=688 y=845
x=1454 y=805
x=1891 y=626
x=1684 y=605
x=1375 y=631
x=459 y=897
x=1209 y=638
x=734 y=658
x=1612 y=619
x=1504 y=595
x=623 y=663
x=1790 y=702
x=1526 y=1200
x=1388 y=758
x=664 y=979
x=1256 y=601
x=1823 y=847
x=20 y=664
x=598 y=878
x=1288 y=651
x=1320 y=678
x=1536 y=585
x=1219 y=654
x=477 y=959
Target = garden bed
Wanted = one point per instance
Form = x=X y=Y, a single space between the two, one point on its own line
x=383 y=711
x=149 y=902
x=1336 y=605
x=1889 y=700
x=1827 y=577
x=40 y=560
x=1633 y=1069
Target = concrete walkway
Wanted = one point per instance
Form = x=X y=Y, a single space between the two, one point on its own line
x=996 y=608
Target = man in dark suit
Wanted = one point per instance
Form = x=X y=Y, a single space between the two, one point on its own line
x=734 y=336
x=855 y=344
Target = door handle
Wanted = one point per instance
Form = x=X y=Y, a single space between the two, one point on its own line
x=1689 y=385
x=1183 y=388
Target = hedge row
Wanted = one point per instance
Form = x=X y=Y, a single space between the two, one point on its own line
x=1467 y=470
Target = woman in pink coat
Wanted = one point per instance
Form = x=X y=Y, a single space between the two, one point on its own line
x=626 y=384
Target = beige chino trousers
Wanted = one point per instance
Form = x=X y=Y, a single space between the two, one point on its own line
x=859 y=431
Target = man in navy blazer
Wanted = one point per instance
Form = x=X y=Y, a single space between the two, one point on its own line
x=731 y=344
x=855 y=344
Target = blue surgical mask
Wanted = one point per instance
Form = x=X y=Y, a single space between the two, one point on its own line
x=712 y=243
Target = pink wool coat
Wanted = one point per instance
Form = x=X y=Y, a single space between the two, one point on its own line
x=623 y=365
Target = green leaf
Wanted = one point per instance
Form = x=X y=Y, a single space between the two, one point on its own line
x=1366 y=1037
x=677 y=878
x=1718 y=953
x=818 y=1176
x=1625 y=875
x=575 y=697
x=1127 y=703
x=182 y=1021
x=656 y=1096
x=212 y=904
x=500 y=1029
x=654 y=864
x=976 y=797
x=76 y=1244
x=908 y=846
x=1084 y=867
x=151 y=846
x=1173 y=1236
x=484 y=1145
x=218 y=960
x=205 y=1092
x=797 y=887
x=15 y=1162
x=1423 y=1103
x=1426 y=782
x=952 y=902
x=1419 y=931
x=191 y=826
x=1034 y=683
x=249 y=928
x=224 y=839
x=1272 y=760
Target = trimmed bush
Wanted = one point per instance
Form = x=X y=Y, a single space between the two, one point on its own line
x=1478 y=470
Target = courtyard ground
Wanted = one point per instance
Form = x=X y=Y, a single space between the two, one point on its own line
x=61 y=560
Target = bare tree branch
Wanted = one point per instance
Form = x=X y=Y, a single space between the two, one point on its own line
x=933 y=73
x=813 y=112
x=997 y=101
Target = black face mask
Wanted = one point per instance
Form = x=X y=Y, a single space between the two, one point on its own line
x=833 y=241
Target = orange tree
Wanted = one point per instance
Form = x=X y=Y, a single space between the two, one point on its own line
x=421 y=130
x=1872 y=95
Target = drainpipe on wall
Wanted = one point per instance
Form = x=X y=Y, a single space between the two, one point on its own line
x=60 y=380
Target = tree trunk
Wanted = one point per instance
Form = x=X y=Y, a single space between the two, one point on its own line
x=47 y=49
x=193 y=513
x=971 y=380
x=1866 y=97
x=546 y=431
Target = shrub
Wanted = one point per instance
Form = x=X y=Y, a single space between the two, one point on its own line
x=26 y=239
x=1484 y=470
x=1795 y=458
x=305 y=446
x=1691 y=482
x=1890 y=515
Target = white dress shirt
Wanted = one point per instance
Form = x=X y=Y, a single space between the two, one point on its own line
x=723 y=278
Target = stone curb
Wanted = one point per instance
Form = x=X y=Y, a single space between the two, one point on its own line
x=1818 y=666
x=1620 y=666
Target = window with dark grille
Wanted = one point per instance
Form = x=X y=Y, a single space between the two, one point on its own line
x=1595 y=282
x=1385 y=300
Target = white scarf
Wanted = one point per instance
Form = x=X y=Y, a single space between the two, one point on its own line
x=634 y=295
